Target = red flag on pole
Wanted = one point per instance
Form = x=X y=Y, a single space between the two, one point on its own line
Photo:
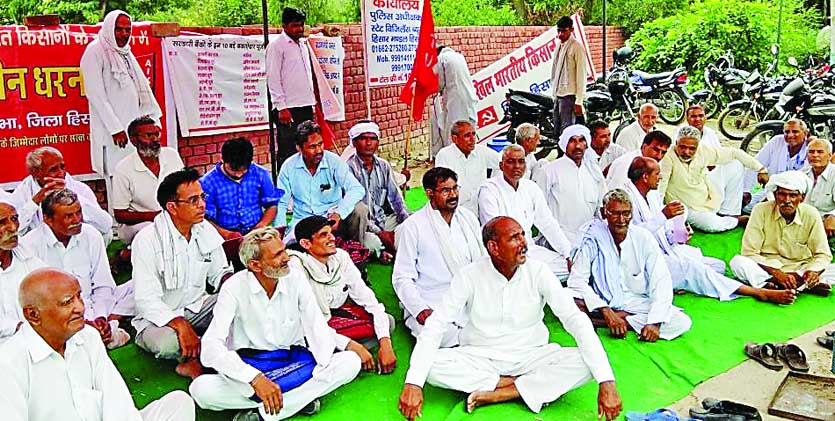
x=423 y=81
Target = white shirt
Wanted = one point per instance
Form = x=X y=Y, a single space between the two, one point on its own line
x=822 y=196
x=617 y=177
x=573 y=194
x=526 y=205
x=154 y=304
x=471 y=170
x=774 y=156
x=289 y=75
x=83 y=385
x=632 y=136
x=245 y=318
x=135 y=186
x=23 y=262
x=351 y=286
x=710 y=138
x=30 y=213
x=533 y=166
x=610 y=154
x=421 y=276
x=85 y=257
x=506 y=318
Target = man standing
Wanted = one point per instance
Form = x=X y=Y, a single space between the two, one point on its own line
x=469 y=160
x=573 y=185
x=433 y=245
x=655 y=146
x=174 y=261
x=568 y=77
x=505 y=353
x=783 y=152
x=137 y=176
x=527 y=136
x=56 y=368
x=822 y=174
x=290 y=80
x=15 y=263
x=269 y=342
x=117 y=90
x=630 y=286
x=605 y=151
x=320 y=183
x=631 y=137
x=64 y=242
x=455 y=87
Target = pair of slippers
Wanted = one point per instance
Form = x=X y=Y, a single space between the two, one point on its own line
x=716 y=410
x=827 y=340
x=770 y=356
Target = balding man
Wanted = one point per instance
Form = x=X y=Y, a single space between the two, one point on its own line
x=783 y=152
x=15 y=263
x=527 y=136
x=47 y=173
x=57 y=368
x=822 y=174
x=470 y=160
x=505 y=353
x=632 y=136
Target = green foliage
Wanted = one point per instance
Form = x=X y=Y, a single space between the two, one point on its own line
x=696 y=37
x=628 y=14
x=473 y=12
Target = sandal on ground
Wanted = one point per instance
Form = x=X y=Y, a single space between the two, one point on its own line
x=825 y=341
x=708 y=415
x=765 y=354
x=794 y=357
x=748 y=412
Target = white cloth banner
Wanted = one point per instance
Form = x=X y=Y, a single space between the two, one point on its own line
x=330 y=54
x=391 y=29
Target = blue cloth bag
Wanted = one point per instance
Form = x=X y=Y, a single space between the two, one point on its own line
x=288 y=368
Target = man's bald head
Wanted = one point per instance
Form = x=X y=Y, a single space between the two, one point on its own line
x=9 y=225
x=52 y=304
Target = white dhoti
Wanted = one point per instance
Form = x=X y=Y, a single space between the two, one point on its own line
x=451 y=336
x=543 y=374
x=711 y=222
x=555 y=261
x=639 y=309
x=216 y=392
x=699 y=274
x=127 y=232
x=373 y=242
x=175 y=406
x=728 y=180
x=124 y=304
x=750 y=272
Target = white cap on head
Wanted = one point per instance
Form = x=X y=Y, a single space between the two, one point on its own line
x=360 y=128
x=571 y=131
x=791 y=180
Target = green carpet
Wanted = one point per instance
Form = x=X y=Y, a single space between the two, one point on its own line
x=649 y=376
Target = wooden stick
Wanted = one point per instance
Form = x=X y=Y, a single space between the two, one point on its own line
x=409 y=133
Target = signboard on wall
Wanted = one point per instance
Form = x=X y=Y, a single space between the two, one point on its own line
x=391 y=29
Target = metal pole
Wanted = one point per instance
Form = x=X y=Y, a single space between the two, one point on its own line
x=832 y=61
x=779 y=26
x=604 y=40
x=273 y=158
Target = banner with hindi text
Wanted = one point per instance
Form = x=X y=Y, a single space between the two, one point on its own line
x=391 y=29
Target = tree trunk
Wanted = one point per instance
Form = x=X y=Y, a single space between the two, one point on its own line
x=521 y=10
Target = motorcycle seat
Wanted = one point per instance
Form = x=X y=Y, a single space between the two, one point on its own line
x=652 y=77
x=542 y=99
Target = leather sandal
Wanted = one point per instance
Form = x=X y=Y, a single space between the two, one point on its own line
x=765 y=354
x=794 y=357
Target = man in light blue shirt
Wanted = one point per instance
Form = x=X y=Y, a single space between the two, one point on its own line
x=320 y=183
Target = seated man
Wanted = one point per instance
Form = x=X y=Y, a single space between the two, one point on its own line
x=64 y=242
x=684 y=178
x=174 y=260
x=47 y=173
x=505 y=353
x=508 y=194
x=784 y=245
x=382 y=193
x=470 y=160
x=783 y=152
x=620 y=275
x=573 y=185
x=631 y=137
x=56 y=368
x=434 y=244
x=340 y=292
x=690 y=269
x=320 y=184
x=822 y=174
x=15 y=263
x=605 y=151
x=267 y=319
x=655 y=146
x=527 y=136
x=137 y=176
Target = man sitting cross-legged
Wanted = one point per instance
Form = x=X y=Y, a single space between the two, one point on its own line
x=505 y=353
x=619 y=271
x=434 y=244
x=822 y=174
x=784 y=245
x=343 y=298
x=269 y=342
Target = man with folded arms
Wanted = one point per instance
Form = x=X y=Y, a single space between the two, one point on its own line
x=505 y=353
x=15 y=263
x=269 y=342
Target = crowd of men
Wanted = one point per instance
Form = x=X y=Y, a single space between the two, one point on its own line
x=267 y=315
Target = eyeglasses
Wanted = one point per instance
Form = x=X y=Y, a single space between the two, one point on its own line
x=193 y=200
x=445 y=191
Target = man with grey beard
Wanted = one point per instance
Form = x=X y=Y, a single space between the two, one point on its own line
x=137 y=176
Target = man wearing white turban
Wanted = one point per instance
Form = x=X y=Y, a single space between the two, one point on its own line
x=573 y=184
x=784 y=245
x=117 y=90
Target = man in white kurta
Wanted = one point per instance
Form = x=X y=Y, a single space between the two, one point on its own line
x=619 y=271
x=269 y=307
x=783 y=152
x=822 y=174
x=469 y=160
x=505 y=352
x=46 y=174
x=56 y=368
x=508 y=194
x=655 y=146
x=632 y=136
x=605 y=152
x=573 y=185
x=455 y=87
x=15 y=263
x=117 y=90
x=433 y=244
x=528 y=136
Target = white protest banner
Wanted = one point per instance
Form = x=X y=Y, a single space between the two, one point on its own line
x=330 y=54
x=391 y=29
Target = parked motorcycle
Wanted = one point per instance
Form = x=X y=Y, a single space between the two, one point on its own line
x=723 y=84
x=667 y=90
x=534 y=108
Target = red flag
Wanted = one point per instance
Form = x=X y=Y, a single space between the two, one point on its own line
x=328 y=138
x=423 y=81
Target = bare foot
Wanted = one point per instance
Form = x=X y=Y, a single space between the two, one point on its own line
x=778 y=296
x=505 y=381
x=475 y=400
x=190 y=368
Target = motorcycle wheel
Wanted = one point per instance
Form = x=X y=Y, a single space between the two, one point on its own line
x=754 y=141
x=620 y=128
x=671 y=106
x=712 y=104
x=736 y=121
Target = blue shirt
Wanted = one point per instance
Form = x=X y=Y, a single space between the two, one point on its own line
x=332 y=186
x=239 y=205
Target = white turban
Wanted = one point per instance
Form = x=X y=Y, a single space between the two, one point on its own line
x=791 y=180
x=571 y=131
x=360 y=128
